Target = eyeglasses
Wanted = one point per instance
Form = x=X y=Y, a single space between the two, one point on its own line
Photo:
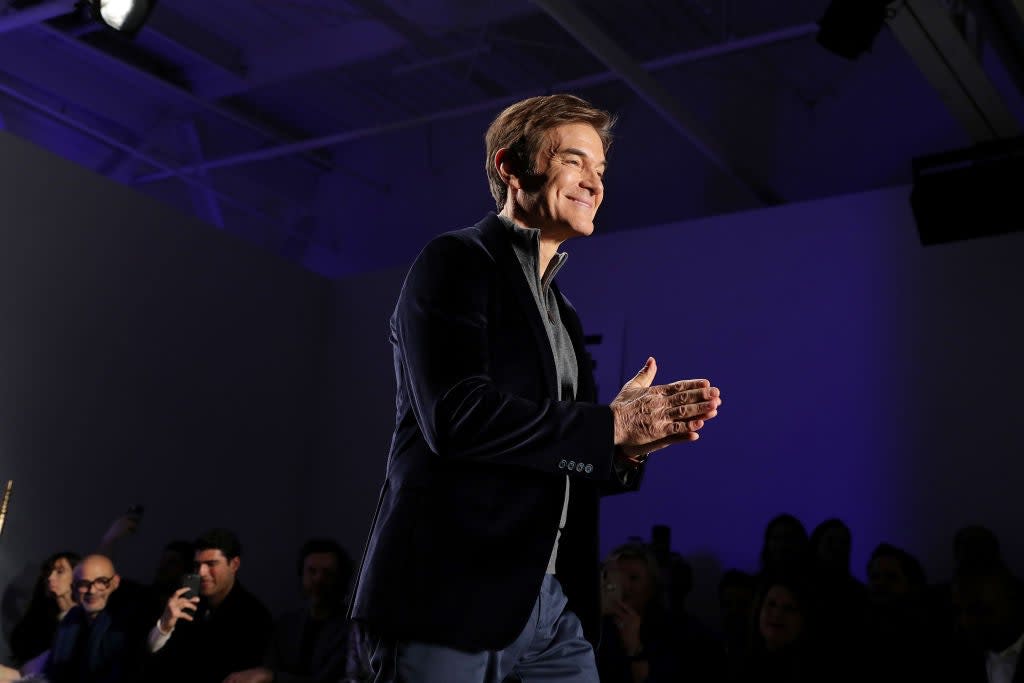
x=84 y=585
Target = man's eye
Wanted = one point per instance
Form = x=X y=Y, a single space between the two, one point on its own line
x=574 y=162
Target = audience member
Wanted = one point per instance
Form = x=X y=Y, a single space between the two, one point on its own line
x=785 y=548
x=225 y=629
x=309 y=645
x=903 y=640
x=782 y=647
x=97 y=642
x=989 y=606
x=51 y=600
x=736 y=592
x=641 y=641
x=840 y=599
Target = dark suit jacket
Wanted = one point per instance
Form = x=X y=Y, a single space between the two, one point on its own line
x=475 y=482
x=109 y=650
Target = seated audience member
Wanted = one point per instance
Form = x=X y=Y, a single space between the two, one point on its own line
x=736 y=604
x=975 y=549
x=97 y=642
x=840 y=599
x=785 y=548
x=904 y=639
x=309 y=645
x=225 y=629
x=640 y=641
x=52 y=598
x=783 y=649
x=989 y=606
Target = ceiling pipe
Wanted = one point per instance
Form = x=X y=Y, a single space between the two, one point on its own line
x=687 y=57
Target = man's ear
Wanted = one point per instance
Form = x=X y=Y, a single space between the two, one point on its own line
x=115 y=582
x=505 y=165
x=235 y=563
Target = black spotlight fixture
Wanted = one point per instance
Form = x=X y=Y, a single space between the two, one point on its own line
x=124 y=16
x=850 y=27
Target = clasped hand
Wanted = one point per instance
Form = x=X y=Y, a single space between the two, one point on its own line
x=650 y=417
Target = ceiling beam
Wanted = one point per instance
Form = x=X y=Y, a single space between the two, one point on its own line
x=493 y=104
x=183 y=94
x=297 y=55
x=49 y=9
x=929 y=34
x=100 y=136
x=166 y=24
x=598 y=43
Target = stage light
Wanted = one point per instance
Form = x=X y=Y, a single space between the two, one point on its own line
x=125 y=16
x=849 y=27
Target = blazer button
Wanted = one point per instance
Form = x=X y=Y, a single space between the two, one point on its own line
x=561 y=465
x=572 y=464
x=579 y=467
x=588 y=469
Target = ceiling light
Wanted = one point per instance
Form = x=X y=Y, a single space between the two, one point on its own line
x=126 y=16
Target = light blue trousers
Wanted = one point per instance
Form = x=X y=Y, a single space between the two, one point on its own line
x=550 y=648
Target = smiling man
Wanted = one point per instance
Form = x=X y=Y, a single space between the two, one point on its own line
x=481 y=563
x=225 y=628
x=98 y=641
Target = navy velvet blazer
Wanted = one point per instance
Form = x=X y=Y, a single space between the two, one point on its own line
x=475 y=480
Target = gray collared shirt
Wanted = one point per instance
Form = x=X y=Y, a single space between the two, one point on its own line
x=526 y=243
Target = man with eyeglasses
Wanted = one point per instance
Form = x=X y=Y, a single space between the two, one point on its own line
x=98 y=641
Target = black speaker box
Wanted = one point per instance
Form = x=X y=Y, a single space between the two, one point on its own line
x=975 y=192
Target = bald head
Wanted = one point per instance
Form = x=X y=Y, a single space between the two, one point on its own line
x=95 y=579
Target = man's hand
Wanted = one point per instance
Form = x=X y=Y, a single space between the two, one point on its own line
x=257 y=675
x=178 y=607
x=8 y=674
x=649 y=418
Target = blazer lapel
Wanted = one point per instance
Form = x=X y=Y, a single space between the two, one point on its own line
x=511 y=272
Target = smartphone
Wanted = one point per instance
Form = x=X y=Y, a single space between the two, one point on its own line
x=190 y=581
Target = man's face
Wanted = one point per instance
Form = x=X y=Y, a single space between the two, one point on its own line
x=94 y=582
x=562 y=197
x=320 y=577
x=216 y=573
x=886 y=580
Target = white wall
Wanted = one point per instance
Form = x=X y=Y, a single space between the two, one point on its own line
x=864 y=377
x=147 y=358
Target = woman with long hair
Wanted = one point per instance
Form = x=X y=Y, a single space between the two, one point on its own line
x=51 y=600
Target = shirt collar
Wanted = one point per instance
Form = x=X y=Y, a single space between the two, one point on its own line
x=1012 y=651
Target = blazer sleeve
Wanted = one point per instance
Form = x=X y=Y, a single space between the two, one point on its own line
x=441 y=331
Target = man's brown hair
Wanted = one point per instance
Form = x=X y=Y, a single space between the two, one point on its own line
x=522 y=126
